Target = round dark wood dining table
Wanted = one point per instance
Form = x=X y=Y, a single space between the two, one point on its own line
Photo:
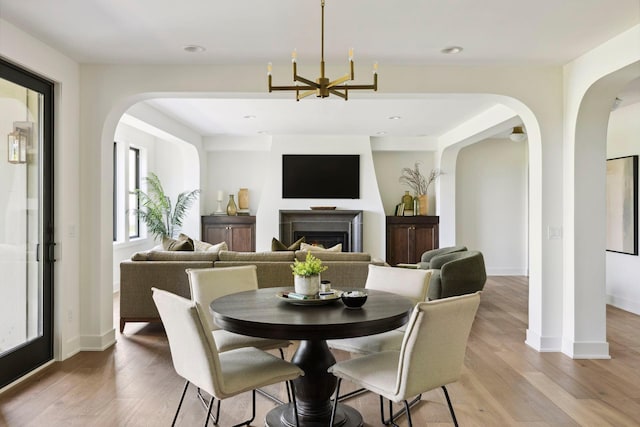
x=261 y=313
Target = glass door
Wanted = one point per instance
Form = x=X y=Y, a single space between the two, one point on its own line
x=26 y=222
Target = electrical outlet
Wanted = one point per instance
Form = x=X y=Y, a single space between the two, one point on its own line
x=554 y=233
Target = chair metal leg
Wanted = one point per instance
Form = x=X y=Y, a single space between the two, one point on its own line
x=184 y=391
x=206 y=419
x=392 y=416
x=453 y=414
x=206 y=404
x=353 y=393
x=406 y=407
x=335 y=402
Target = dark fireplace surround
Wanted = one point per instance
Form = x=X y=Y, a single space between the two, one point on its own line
x=325 y=227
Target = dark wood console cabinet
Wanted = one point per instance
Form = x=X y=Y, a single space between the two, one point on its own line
x=238 y=231
x=409 y=236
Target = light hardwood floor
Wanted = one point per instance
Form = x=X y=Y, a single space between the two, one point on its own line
x=504 y=382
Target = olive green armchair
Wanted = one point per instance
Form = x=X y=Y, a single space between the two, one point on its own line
x=456 y=273
x=425 y=259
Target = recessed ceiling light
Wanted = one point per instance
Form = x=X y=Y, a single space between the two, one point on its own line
x=250 y=117
x=394 y=117
x=194 y=48
x=382 y=132
x=451 y=50
x=263 y=132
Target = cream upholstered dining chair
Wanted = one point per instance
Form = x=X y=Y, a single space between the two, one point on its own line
x=410 y=283
x=208 y=284
x=431 y=356
x=195 y=357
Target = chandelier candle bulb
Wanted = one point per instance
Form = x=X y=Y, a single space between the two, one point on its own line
x=269 y=68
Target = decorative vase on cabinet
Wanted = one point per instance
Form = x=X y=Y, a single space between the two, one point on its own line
x=408 y=201
x=232 y=209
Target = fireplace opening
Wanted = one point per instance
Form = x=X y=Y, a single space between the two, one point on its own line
x=324 y=239
x=325 y=227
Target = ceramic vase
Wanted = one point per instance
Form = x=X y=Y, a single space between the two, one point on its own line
x=306 y=285
x=243 y=198
x=423 y=202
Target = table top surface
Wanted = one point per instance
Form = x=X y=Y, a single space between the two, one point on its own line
x=261 y=313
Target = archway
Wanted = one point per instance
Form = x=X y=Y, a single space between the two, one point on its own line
x=584 y=320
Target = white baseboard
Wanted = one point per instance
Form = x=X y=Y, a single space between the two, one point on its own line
x=506 y=271
x=624 y=304
x=586 y=349
x=543 y=344
x=98 y=342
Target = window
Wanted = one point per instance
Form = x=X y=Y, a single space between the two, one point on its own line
x=133 y=184
x=129 y=165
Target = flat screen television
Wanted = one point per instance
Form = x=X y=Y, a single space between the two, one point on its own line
x=320 y=176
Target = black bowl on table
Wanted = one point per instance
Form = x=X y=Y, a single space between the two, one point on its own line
x=354 y=299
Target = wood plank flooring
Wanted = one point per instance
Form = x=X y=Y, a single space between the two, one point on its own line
x=504 y=382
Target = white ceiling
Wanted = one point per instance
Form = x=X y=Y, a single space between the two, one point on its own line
x=543 y=32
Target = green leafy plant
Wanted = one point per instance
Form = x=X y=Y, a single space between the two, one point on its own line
x=309 y=267
x=161 y=218
x=414 y=179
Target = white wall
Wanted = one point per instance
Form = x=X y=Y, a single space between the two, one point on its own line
x=491 y=204
x=623 y=270
x=389 y=165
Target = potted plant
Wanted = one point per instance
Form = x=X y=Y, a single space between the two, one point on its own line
x=419 y=184
x=306 y=275
x=161 y=218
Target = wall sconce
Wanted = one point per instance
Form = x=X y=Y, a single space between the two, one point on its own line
x=17 y=146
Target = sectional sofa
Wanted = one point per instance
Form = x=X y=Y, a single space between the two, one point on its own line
x=166 y=270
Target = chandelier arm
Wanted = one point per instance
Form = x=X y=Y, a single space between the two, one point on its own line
x=337 y=93
x=340 y=94
x=357 y=87
x=341 y=80
x=273 y=88
x=308 y=82
x=305 y=94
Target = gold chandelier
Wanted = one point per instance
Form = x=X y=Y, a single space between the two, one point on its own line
x=323 y=87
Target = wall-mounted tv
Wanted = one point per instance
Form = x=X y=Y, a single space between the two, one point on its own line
x=320 y=176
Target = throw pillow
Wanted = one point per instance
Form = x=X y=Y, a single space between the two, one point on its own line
x=198 y=245
x=277 y=245
x=169 y=244
x=312 y=248
x=222 y=246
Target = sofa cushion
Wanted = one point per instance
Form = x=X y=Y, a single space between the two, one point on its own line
x=335 y=256
x=277 y=245
x=182 y=243
x=181 y=256
x=313 y=248
x=280 y=256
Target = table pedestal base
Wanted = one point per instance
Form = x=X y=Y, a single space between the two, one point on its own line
x=282 y=415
